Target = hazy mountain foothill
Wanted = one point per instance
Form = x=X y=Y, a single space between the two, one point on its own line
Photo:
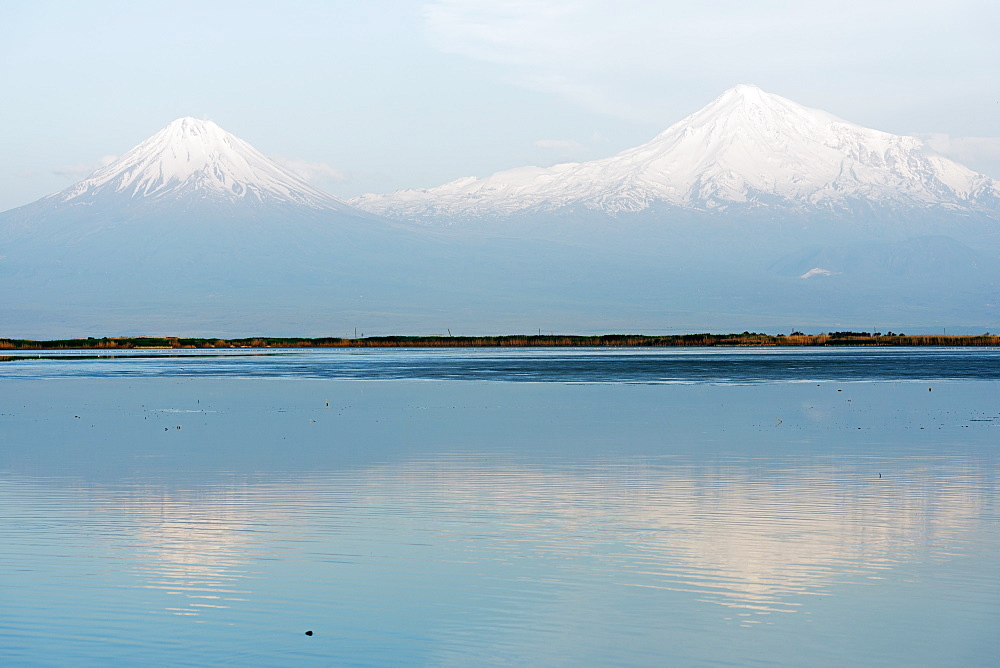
x=752 y=213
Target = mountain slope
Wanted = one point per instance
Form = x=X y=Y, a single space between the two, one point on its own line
x=746 y=150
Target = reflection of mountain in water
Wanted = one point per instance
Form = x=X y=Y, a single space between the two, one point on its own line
x=734 y=535
x=737 y=534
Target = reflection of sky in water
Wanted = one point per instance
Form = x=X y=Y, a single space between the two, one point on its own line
x=470 y=523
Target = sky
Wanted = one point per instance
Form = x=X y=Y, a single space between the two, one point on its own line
x=376 y=96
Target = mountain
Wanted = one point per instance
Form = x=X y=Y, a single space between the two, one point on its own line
x=748 y=151
x=194 y=230
x=752 y=210
x=754 y=213
x=193 y=163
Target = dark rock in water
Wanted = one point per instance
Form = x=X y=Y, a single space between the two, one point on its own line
x=309 y=633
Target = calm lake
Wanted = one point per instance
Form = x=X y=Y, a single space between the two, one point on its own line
x=500 y=507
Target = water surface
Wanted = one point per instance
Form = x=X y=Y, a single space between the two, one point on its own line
x=566 y=365
x=576 y=507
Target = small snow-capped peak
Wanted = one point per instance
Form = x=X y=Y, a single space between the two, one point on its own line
x=746 y=149
x=747 y=95
x=196 y=159
x=746 y=106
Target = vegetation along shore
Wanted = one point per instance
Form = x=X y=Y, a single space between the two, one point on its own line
x=512 y=341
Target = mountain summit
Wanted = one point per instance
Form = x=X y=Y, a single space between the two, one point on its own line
x=196 y=161
x=746 y=150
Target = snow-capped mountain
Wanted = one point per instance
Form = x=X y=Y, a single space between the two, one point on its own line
x=194 y=228
x=193 y=160
x=748 y=149
x=194 y=231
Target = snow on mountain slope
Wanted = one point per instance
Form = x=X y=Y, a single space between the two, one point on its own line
x=746 y=149
x=191 y=159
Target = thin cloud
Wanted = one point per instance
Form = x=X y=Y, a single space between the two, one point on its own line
x=565 y=146
x=84 y=169
x=979 y=153
x=631 y=59
x=315 y=173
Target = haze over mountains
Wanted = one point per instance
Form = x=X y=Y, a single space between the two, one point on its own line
x=753 y=213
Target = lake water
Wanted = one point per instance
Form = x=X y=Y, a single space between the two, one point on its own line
x=514 y=507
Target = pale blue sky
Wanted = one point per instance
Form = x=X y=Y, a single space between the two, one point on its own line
x=375 y=96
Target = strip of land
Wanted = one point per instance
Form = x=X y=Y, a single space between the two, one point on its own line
x=512 y=341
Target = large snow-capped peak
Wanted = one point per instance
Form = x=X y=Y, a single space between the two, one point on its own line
x=196 y=160
x=746 y=149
